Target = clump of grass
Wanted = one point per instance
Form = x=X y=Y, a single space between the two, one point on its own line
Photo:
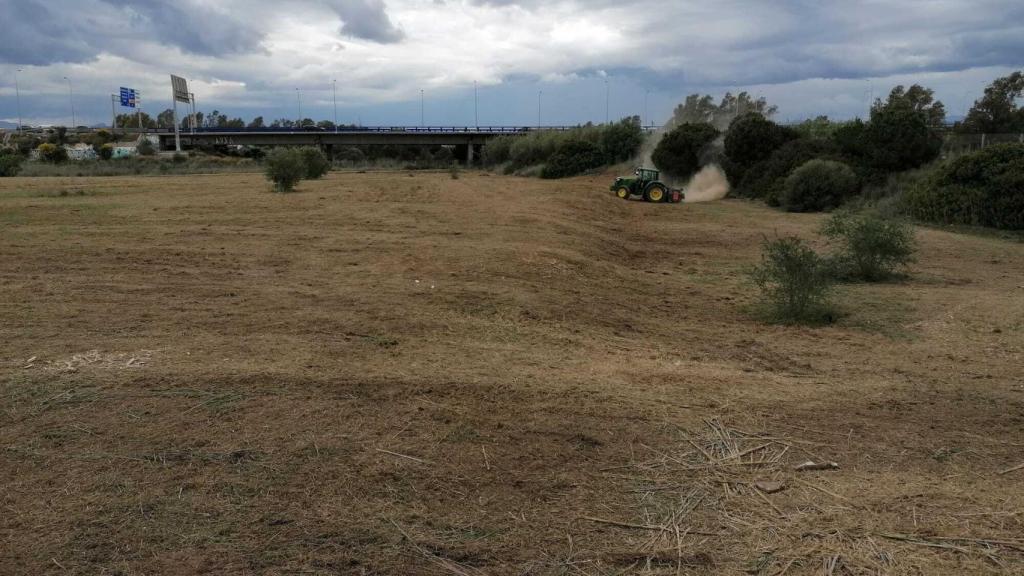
x=454 y=171
x=795 y=283
x=870 y=247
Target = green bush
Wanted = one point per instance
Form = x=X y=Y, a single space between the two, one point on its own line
x=767 y=178
x=572 y=158
x=52 y=153
x=621 y=141
x=984 y=188
x=679 y=152
x=869 y=247
x=285 y=167
x=497 y=151
x=316 y=162
x=794 y=282
x=752 y=138
x=10 y=162
x=106 y=151
x=818 y=185
x=145 y=148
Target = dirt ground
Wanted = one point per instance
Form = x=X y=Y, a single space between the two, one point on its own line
x=396 y=373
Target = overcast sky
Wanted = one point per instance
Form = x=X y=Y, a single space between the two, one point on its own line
x=247 y=57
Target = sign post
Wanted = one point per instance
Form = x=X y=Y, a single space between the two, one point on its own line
x=130 y=99
x=179 y=93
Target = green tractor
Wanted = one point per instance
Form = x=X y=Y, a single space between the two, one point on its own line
x=646 y=183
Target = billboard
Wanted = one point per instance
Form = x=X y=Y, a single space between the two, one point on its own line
x=180 y=89
x=128 y=97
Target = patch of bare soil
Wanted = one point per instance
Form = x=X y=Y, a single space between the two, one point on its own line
x=394 y=373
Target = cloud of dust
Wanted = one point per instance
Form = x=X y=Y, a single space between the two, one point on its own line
x=707 y=185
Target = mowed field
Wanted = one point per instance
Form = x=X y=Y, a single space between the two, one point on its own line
x=397 y=373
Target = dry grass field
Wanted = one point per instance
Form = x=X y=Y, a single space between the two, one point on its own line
x=394 y=373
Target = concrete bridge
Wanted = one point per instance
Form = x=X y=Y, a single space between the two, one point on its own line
x=467 y=141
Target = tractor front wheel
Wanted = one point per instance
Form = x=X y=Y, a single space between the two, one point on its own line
x=623 y=193
x=655 y=193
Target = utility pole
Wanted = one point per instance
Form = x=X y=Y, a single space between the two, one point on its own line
x=298 y=103
x=138 y=108
x=71 y=98
x=476 y=106
x=334 y=89
x=195 y=119
x=422 y=110
x=17 y=97
x=540 y=94
x=113 y=115
x=607 y=101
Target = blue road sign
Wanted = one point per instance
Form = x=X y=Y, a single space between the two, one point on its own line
x=128 y=97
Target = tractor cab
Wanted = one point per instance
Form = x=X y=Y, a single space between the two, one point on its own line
x=647 y=175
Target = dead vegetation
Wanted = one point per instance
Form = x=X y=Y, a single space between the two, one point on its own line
x=385 y=374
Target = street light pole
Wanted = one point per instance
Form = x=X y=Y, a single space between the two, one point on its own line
x=298 y=103
x=71 y=98
x=607 y=101
x=17 y=97
x=334 y=89
x=540 y=94
x=476 y=106
x=422 y=110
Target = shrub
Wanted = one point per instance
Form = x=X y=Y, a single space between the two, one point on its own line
x=10 y=163
x=767 y=178
x=52 y=153
x=106 y=151
x=179 y=158
x=818 y=185
x=572 y=158
x=497 y=151
x=316 y=163
x=752 y=138
x=622 y=140
x=794 y=281
x=285 y=167
x=145 y=148
x=679 y=152
x=985 y=188
x=870 y=247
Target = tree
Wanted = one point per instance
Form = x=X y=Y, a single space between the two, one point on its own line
x=621 y=140
x=165 y=119
x=131 y=120
x=326 y=125
x=898 y=138
x=257 y=122
x=997 y=111
x=10 y=162
x=916 y=98
x=750 y=139
x=679 y=152
x=698 y=109
x=573 y=157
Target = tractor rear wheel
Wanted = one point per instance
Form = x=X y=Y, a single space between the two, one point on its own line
x=655 y=193
x=622 y=192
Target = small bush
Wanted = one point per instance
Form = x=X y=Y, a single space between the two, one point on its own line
x=869 y=247
x=52 y=153
x=10 y=163
x=106 y=151
x=679 y=152
x=454 y=171
x=497 y=151
x=316 y=162
x=767 y=178
x=179 y=158
x=572 y=158
x=285 y=167
x=795 y=283
x=145 y=148
x=818 y=185
x=985 y=188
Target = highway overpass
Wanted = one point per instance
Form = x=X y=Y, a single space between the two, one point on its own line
x=467 y=141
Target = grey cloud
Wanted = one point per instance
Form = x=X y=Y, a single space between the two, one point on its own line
x=368 y=20
x=64 y=31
